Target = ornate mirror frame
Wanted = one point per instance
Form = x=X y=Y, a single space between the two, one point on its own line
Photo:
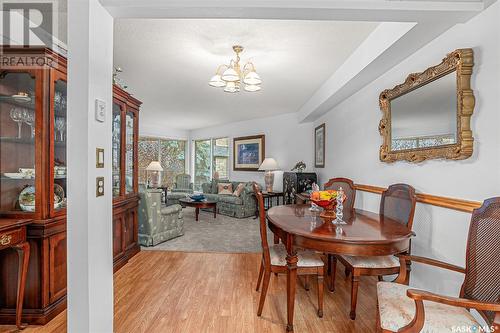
x=461 y=61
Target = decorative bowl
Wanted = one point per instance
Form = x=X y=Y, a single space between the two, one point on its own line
x=197 y=197
x=328 y=207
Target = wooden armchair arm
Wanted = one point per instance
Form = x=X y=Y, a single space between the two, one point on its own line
x=422 y=295
x=403 y=269
x=419 y=296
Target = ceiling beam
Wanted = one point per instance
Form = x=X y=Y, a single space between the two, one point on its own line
x=342 y=10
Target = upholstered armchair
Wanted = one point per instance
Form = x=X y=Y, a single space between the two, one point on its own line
x=404 y=309
x=158 y=223
x=183 y=184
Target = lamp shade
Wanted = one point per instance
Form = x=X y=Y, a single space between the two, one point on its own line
x=154 y=166
x=230 y=75
x=269 y=164
x=216 y=81
x=252 y=78
x=232 y=87
x=252 y=87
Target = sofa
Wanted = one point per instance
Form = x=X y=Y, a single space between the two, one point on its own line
x=230 y=205
x=158 y=223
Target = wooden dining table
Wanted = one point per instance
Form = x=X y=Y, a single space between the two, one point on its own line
x=365 y=233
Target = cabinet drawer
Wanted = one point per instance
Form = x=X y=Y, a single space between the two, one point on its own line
x=10 y=238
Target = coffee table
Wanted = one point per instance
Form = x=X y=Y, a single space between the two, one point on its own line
x=199 y=204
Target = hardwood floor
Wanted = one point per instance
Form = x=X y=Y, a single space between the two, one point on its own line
x=160 y=291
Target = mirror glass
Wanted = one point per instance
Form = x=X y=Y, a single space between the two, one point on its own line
x=427 y=116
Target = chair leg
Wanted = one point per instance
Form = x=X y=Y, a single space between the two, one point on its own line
x=354 y=294
x=263 y=292
x=333 y=271
x=347 y=271
x=321 y=284
x=261 y=271
x=306 y=282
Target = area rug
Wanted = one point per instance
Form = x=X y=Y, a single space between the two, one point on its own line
x=222 y=234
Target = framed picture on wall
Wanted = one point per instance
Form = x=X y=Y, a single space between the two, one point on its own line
x=319 y=146
x=248 y=152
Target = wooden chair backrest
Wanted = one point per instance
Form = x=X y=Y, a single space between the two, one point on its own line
x=398 y=203
x=482 y=263
x=348 y=188
x=263 y=224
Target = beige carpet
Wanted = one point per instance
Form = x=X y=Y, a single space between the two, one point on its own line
x=223 y=234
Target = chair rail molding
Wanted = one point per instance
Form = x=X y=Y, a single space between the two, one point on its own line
x=429 y=199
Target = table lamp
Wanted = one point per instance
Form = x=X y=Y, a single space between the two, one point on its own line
x=156 y=168
x=269 y=165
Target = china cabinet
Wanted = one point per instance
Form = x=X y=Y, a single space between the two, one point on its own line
x=295 y=183
x=125 y=176
x=33 y=178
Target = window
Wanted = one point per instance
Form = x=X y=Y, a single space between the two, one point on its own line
x=170 y=153
x=422 y=142
x=210 y=156
x=221 y=157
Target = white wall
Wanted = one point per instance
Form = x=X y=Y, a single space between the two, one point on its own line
x=353 y=144
x=161 y=131
x=89 y=227
x=287 y=141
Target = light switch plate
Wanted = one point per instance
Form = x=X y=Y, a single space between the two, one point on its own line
x=100 y=110
x=99 y=186
x=99 y=157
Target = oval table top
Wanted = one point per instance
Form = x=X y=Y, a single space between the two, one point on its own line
x=362 y=227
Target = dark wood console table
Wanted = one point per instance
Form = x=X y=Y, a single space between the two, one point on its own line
x=13 y=235
x=199 y=205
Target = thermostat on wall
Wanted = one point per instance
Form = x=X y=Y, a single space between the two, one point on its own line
x=100 y=110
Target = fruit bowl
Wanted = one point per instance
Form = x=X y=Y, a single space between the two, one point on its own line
x=326 y=200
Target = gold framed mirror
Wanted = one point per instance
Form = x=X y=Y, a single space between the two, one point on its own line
x=428 y=115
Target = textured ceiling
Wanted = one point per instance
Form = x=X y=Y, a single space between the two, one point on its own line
x=167 y=64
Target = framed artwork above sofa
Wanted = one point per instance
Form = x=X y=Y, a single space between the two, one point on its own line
x=248 y=152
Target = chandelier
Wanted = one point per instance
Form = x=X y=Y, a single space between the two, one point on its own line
x=233 y=75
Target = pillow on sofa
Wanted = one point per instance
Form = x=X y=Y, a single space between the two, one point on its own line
x=239 y=189
x=225 y=188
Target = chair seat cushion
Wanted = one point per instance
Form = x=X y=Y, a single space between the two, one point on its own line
x=231 y=199
x=306 y=258
x=371 y=261
x=397 y=310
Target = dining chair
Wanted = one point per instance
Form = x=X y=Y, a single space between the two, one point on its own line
x=348 y=188
x=274 y=260
x=350 y=193
x=397 y=203
x=403 y=309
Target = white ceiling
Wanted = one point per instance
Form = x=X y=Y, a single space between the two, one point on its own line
x=167 y=64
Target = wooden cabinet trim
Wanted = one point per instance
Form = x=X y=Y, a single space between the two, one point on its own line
x=429 y=199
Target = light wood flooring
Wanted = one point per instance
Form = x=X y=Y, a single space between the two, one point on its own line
x=160 y=291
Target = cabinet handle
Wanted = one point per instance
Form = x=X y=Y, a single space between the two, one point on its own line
x=5 y=240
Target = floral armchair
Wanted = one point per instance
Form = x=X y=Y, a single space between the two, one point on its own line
x=158 y=223
x=183 y=184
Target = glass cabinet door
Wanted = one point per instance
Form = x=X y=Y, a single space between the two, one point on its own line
x=129 y=152
x=60 y=116
x=17 y=142
x=116 y=149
